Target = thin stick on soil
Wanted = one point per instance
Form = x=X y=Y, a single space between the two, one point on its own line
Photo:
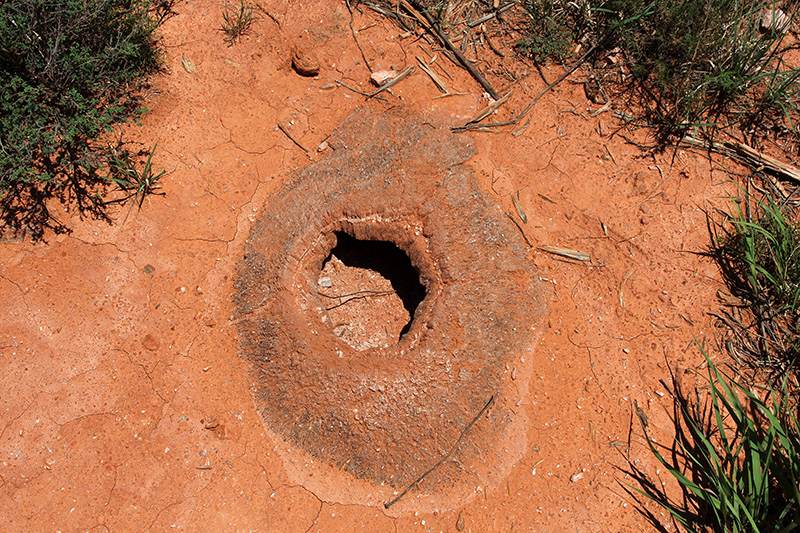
x=446 y=457
x=566 y=252
x=525 y=111
x=747 y=154
x=353 y=32
x=432 y=75
x=452 y=48
x=362 y=93
x=490 y=16
x=491 y=108
x=393 y=81
x=509 y=215
x=292 y=138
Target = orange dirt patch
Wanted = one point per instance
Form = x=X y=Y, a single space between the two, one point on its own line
x=127 y=406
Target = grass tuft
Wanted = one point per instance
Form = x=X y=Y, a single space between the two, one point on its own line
x=758 y=252
x=127 y=175
x=237 y=19
x=735 y=456
x=690 y=65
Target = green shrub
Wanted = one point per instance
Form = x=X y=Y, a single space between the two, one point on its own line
x=694 y=64
x=758 y=252
x=735 y=456
x=69 y=70
x=237 y=18
x=552 y=30
x=704 y=63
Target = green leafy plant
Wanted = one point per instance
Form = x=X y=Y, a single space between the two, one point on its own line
x=69 y=70
x=735 y=456
x=237 y=18
x=758 y=252
x=135 y=182
x=693 y=65
x=552 y=31
x=705 y=64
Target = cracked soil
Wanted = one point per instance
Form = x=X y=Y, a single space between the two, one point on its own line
x=126 y=405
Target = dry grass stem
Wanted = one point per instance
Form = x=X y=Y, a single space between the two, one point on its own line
x=566 y=252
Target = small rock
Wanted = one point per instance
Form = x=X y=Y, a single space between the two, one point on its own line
x=774 y=21
x=149 y=269
x=188 y=66
x=602 y=128
x=576 y=477
x=304 y=63
x=150 y=343
x=325 y=282
x=380 y=77
x=322 y=146
x=460 y=524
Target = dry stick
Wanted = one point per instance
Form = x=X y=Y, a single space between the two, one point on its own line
x=566 y=252
x=456 y=52
x=746 y=153
x=347 y=295
x=362 y=93
x=361 y=297
x=353 y=32
x=522 y=216
x=443 y=459
x=432 y=75
x=509 y=215
x=391 y=82
x=491 y=108
x=490 y=16
x=525 y=111
x=292 y=138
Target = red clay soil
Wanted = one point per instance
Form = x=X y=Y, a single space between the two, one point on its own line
x=127 y=404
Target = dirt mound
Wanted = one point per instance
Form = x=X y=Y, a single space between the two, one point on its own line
x=387 y=414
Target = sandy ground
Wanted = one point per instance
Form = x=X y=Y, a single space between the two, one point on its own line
x=126 y=406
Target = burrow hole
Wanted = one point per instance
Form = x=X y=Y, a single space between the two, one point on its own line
x=370 y=291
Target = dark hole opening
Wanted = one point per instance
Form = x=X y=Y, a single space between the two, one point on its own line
x=386 y=259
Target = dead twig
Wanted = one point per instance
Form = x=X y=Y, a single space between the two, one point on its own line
x=491 y=108
x=621 y=283
x=446 y=457
x=520 y=211
x=362 y=93
x=360 y=295
x=393 y=81
x=519 y=131
x=292 y=138
x=509 y=215
x=491 y=15
x=566 y=252
x=438 y=33
x=432 y=75
x=353 y=32
x=746 y=154
x=573 y=68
